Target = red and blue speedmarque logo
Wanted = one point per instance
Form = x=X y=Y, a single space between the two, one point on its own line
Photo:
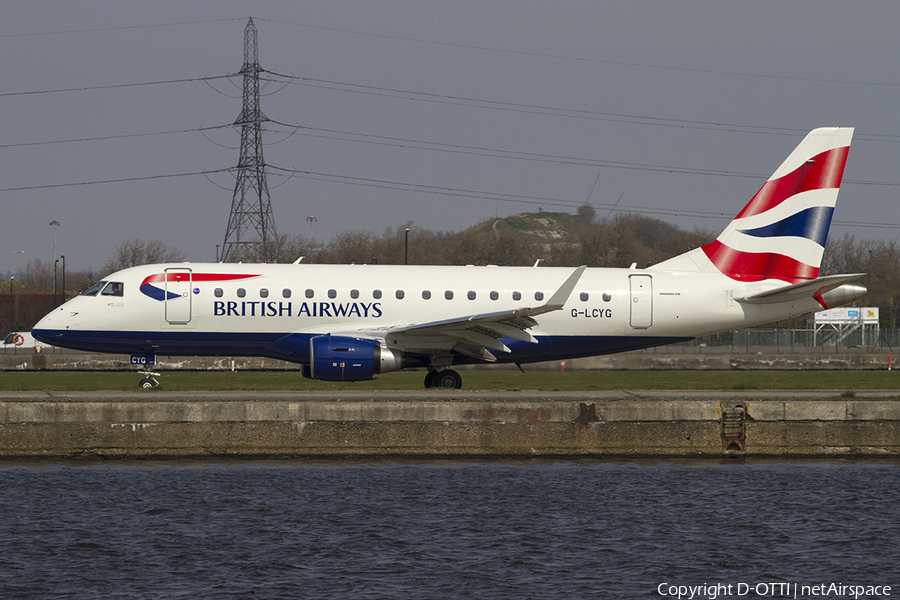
x=159 y=293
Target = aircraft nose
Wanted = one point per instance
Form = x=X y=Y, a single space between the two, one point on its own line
x=49 y=326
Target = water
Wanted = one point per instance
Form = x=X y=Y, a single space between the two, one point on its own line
x=534 y=529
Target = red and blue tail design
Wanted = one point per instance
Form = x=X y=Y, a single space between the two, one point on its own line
x=781 y=232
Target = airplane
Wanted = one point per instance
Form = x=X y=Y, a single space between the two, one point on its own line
x=354 y=322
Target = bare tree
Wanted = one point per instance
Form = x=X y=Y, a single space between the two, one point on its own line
x=350 y=247
x=36 y=277
x=287 y=249
x=880 y=259
x=140 y=252
x=283 y=249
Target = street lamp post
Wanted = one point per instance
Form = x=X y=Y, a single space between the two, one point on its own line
x=55 y=225
x=12 y=300
x=406 y=247
x=63 y=257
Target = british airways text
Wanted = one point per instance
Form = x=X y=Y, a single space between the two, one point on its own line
x=260 y=308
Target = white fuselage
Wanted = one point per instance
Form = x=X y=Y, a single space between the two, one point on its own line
x=210 y=312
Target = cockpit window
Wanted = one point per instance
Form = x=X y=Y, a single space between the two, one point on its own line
x=113 y=288
x=94 y=289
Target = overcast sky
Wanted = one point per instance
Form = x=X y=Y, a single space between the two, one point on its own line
x=436 y=112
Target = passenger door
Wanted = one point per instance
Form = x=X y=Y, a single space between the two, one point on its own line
x=178 y=295
x=641 y=301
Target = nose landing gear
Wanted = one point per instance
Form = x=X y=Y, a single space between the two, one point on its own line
x=149 y=381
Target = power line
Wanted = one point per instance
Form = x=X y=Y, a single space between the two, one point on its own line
x=114 y=137
x=477 y=47
x=574 y=113
x=119 y=28
x=48 y=186
x=536 y=108
x=518 y=198
x=583 y=58
x=434 y=190
x=113 y=86
x=334 y=134
x=405 y=94
x=395 y=142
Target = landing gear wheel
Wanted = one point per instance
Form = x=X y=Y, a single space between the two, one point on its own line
x=429 y=379
x=447 y=379
x=149 y=381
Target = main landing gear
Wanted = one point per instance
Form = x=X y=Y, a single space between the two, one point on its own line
x=447 y=379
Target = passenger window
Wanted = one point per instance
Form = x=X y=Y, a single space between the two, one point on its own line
x=517 y=296
x=354 y=294
x=426 y=295
x=285 y=293
x=607 y=297
x=494 y=295
x=332 y=294
x=448 y=294
x=94 y=289
x=264 y=293
x=539 y=296
x=114 y=288
x=471 y=295
x=310 y=293
x=241 y=292
x=218 y=293
x=584 y=296
x=399 y=294
x=377 y=294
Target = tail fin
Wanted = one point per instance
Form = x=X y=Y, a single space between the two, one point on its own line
x=781 y=232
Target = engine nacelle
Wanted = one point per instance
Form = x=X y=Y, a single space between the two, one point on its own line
x=341 y=358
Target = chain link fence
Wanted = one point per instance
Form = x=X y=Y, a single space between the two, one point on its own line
x=788 y=341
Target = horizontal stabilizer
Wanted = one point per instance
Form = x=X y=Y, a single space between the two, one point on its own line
x=806 y=289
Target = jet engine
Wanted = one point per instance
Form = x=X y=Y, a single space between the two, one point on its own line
x=342 y=358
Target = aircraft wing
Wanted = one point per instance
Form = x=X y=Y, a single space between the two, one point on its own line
x=474 y=335
x=814 y=287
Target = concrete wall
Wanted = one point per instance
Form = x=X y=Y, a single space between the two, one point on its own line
x=435 y=428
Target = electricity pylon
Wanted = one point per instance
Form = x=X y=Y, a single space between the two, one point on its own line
x=251 y=206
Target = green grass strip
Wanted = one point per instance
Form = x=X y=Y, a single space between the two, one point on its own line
x=472 y=380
